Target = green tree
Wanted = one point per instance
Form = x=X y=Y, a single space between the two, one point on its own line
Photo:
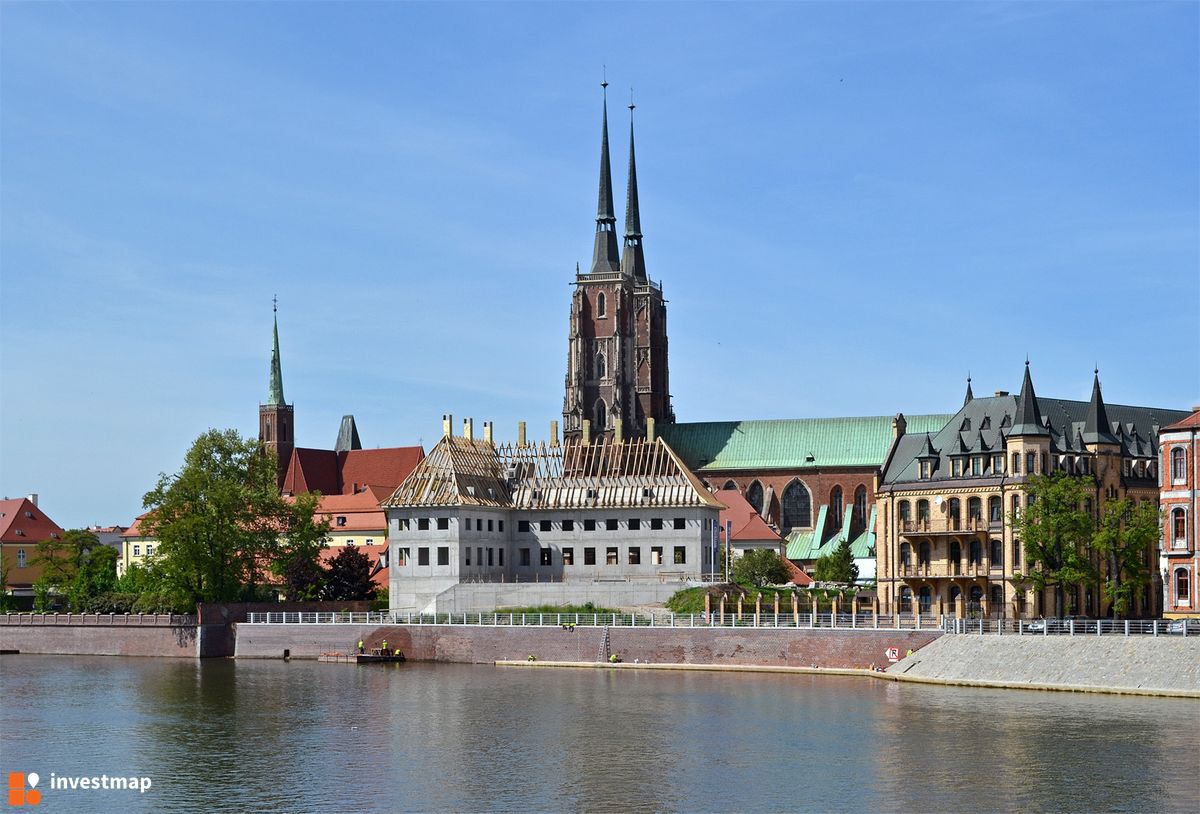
x=349 y=576
x=218 y=521
x=77 y=567
x=297 y=561
x=837 y=566
x=1124 y=535
x=1057 y=533
x=760 y=568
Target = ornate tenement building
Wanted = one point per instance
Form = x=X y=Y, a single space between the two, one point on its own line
x=617 y=378
x=1179 y=445
x=945 y=543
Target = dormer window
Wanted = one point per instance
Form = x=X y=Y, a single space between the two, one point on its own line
x=341 y=520
x=986 y=424
x=927 y=469
x=977 y=465
x=966 y=425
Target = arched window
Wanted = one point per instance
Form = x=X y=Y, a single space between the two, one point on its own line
x=925 y=598
x=976 y=594
x=996 y=555
x=922 y=511
x=601 y=415
x=905 y=599
x=729 y=485
x=1178 y=465
x=997 y=597
x=905 y=514
x=956 y=557
x=955 y=512
x=923 y=553
x=600 y=304
x=1183 y=593
x=20 y=558
x=955 y=593
x=975 y=555
x=975 y=509
x=835 y=506
x=1178 y=528
x=754 y=496
x=905 y=554
x=1016 y=463
x=601 y=367
x=795 y=507
x=860 y=506
x=995 y=510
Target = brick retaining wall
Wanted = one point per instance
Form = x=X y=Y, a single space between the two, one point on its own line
x=178 y=640
x=474 y=644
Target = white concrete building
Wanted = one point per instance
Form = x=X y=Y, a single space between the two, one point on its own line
x=609 y=511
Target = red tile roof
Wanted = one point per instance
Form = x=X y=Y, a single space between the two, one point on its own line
x=342 y=473
x=377 y=467
x=135 y=528
x=1191 y=422
x=796 y=575
x=361 y=511
x=23 y=522
x=748 y=525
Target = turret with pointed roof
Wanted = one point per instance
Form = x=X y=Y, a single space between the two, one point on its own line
x=1096 y=429
x=967 y=399
x=1028 y=420
x=276 y=425
x=605 y=257
x=633 y=261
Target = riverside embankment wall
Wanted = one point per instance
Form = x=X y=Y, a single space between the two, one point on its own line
x=1135 y=664
x=488 y=644
x=103 y=635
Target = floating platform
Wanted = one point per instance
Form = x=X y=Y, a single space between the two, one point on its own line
x=360 y=658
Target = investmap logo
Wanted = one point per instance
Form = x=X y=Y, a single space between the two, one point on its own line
x=23 y=790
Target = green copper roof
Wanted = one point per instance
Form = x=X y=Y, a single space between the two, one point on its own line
x=797 y=443
x=275 y=392
x=807 y=545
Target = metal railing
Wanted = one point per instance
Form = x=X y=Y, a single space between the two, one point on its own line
x=767 y=619
x=99 y=619
x=1073 y=627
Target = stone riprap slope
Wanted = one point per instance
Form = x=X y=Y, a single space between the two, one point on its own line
x=1137 y=664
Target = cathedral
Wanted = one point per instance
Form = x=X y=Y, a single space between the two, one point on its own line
x=617 y=382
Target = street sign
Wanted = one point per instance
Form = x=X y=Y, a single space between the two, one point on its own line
x=893 y=654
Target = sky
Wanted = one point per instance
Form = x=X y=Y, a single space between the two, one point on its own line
x=850 y=207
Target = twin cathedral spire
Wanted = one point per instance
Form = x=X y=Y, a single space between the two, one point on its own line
x=617 y=381
x=605 y=257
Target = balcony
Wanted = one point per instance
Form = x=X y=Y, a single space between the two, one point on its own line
x=946 y=525
x=948 y=569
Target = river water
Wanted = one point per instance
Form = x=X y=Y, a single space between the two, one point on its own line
x=220 y=735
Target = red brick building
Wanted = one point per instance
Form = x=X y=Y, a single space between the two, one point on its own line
x=617 y=374
x=1179 y=497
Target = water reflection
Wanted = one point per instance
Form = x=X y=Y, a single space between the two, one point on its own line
x=300 y=736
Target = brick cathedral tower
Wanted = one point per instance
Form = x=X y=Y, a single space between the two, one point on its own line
x=617 y=355
x=276 y=430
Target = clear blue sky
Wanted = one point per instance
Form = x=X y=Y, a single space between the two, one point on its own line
x=850 y=206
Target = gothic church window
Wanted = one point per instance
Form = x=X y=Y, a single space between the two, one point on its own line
x=754 y=496
x=600 y=304
x=601 y=415
x=601 y=368
x=796 y=507
x=835 y=505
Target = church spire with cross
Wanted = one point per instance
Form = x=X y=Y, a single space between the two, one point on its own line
x=276 y=424
x=605 y=257
x=633 y=261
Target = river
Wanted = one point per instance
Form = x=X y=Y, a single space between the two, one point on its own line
x=219 y=735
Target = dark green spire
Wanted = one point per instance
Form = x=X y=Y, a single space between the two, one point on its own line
x=633 y=262
x=1028 y=420
x=605 y=257
x=275 y=392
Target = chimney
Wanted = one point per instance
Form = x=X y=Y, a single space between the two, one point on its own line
x=554 y=433
x=447 y=424
x=520 y=433
x=587 y=431
x=899 y=425
x=1001 y=393
x=33 y=498
x=618 y=437
x=487 y=431
x=469 y=429
x=651 y=434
